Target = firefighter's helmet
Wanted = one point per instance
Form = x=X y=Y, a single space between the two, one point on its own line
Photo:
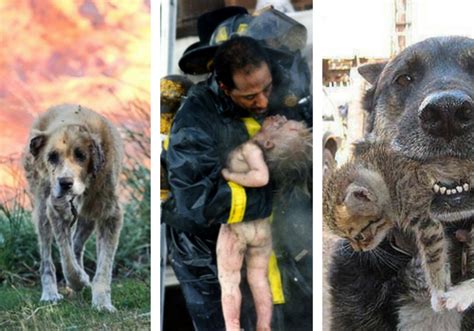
x=280 y=35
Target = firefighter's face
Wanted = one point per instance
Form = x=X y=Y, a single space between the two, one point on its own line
x=253 y=86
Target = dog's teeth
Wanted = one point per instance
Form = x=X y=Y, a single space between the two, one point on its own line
x=442 y=190
x=459 y=189
x=436 y=188
x=448 y=192
x=466 y=187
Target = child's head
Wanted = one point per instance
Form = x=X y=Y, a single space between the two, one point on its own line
x=288 y=148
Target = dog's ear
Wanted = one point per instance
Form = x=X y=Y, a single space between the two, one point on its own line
x=371 y=71
x=37 y=142
x=97 y=156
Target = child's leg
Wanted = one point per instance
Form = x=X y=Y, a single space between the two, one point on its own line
x=257 y=259
x=230 y=253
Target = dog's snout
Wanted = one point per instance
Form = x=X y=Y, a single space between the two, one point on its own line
x=447 y=114
x=66 y=183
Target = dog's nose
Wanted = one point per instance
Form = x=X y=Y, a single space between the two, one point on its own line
x=66 y=183
x=447 y=114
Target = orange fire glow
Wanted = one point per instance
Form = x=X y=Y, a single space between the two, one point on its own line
x=92 y=52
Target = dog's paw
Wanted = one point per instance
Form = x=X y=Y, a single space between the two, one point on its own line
x=437 y=300
x=460 y=297
x=102 y=302
x=108 y=307
x=78 y=280
x=51 y=296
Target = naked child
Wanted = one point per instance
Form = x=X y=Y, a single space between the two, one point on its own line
x=280 y=144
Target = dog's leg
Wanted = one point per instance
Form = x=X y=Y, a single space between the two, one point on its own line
x=108 y=233
x=62 y=217
x=84 y=229
x=45 y=238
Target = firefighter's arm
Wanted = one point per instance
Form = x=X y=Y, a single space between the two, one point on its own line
x=201 y=193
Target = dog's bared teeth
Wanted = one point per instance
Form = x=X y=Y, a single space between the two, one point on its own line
x=466 y=187
x=459 y=189
x=448 y=192
x=442 y=190
x=436 y=188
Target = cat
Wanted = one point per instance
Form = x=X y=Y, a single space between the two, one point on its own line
x=381 y=189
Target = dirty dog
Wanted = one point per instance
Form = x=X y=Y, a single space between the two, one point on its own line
x=422 y=103
x=73 y=163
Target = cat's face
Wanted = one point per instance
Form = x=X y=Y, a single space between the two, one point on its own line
x=364 y=232
x=361 y=219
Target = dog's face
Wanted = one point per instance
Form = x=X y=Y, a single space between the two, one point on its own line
x=424 y=99
x=71 y=156
x=422 y=102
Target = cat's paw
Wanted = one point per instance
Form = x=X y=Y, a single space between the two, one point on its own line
x=460 y=297
x=437 y=301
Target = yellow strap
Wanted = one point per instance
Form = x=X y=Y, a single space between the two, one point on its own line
x=166 y=120
x=166 y=142
x=164 y=194
x=274 y=278
x=238 y=203
x=251 y=125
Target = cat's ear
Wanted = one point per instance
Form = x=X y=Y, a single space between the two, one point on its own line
x=361 y=193
x=359 y=200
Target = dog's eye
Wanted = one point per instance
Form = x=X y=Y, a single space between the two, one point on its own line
x=79 y=155
x=404 y=80
x=53 y=158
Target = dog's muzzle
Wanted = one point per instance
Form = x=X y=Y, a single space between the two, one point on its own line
x=63 y=186
x=447 y=114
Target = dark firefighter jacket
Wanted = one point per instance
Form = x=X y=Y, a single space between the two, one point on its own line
x=206 y=128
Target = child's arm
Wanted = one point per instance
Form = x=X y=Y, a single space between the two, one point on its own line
x=257 y=175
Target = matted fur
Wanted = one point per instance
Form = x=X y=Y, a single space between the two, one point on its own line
x=73 y=162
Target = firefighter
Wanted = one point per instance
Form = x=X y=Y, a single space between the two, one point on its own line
x=216 y=116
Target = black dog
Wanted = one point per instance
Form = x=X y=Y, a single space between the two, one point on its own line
x=422 y=102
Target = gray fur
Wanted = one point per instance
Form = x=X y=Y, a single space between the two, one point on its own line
x=435 y=65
